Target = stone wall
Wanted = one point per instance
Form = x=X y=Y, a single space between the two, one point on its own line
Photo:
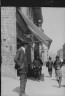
x=64 y=52
x=8 y=35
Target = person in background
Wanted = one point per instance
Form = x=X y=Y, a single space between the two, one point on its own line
x=50 y=66
x=41 y=63
x=21 y=61
x=37 y=67
x=57 y=66
x=61 y=61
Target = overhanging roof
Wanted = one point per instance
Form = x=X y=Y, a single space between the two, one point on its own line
x=36 y=31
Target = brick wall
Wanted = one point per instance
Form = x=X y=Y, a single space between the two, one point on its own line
x=64 y=51
x=8 y=35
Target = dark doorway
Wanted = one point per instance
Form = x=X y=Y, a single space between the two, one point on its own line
x=18 y=43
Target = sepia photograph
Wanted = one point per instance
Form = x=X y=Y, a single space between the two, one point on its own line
x=32 y=51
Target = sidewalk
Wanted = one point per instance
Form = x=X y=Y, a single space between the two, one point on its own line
x=45 y=87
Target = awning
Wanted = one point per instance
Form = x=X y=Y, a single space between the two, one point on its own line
x=21 y=36
x=36 y=31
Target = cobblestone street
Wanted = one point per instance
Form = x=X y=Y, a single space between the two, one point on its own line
x=47 y=86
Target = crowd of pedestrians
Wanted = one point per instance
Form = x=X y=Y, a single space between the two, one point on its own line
x=57 y=64
x=22 y=67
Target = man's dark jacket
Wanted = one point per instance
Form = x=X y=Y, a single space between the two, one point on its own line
x=20 y=59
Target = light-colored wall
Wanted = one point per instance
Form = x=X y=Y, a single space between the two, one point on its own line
x=64 y=51
x=45 y=55
x=8 y=35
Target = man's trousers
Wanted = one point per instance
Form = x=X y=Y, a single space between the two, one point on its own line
x=23 y=80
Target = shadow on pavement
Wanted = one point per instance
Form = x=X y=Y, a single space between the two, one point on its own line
x=42 y=77
x=55 y=86
x=54 y=79
x=58 y=86
x=62 y=85
x=17 y=90
x=47 y=76
x=33 y=78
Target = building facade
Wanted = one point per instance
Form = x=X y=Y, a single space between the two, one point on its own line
x=64 y=53
x=32 y=13
x=60 y=53
x=45 y=55
x=9 y=32
x=8 y=35
x=14 y=30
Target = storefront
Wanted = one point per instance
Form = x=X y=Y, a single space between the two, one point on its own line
x=16 y=27
x=29 y=32
x=34 y=34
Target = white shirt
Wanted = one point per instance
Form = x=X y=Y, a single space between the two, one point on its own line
x=23 y=49
x=61 y=59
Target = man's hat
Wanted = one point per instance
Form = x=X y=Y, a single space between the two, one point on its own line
x=57 y=56
x=24 y=43
x=50 y=57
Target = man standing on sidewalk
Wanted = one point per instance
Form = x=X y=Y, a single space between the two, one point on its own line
x=57 y=66
x=50 y=66
x=20 y=60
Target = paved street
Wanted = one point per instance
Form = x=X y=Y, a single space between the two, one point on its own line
x=45 y=87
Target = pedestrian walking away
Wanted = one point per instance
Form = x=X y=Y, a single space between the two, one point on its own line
x=50 y=66
x=57 y=66
x=21 y=61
